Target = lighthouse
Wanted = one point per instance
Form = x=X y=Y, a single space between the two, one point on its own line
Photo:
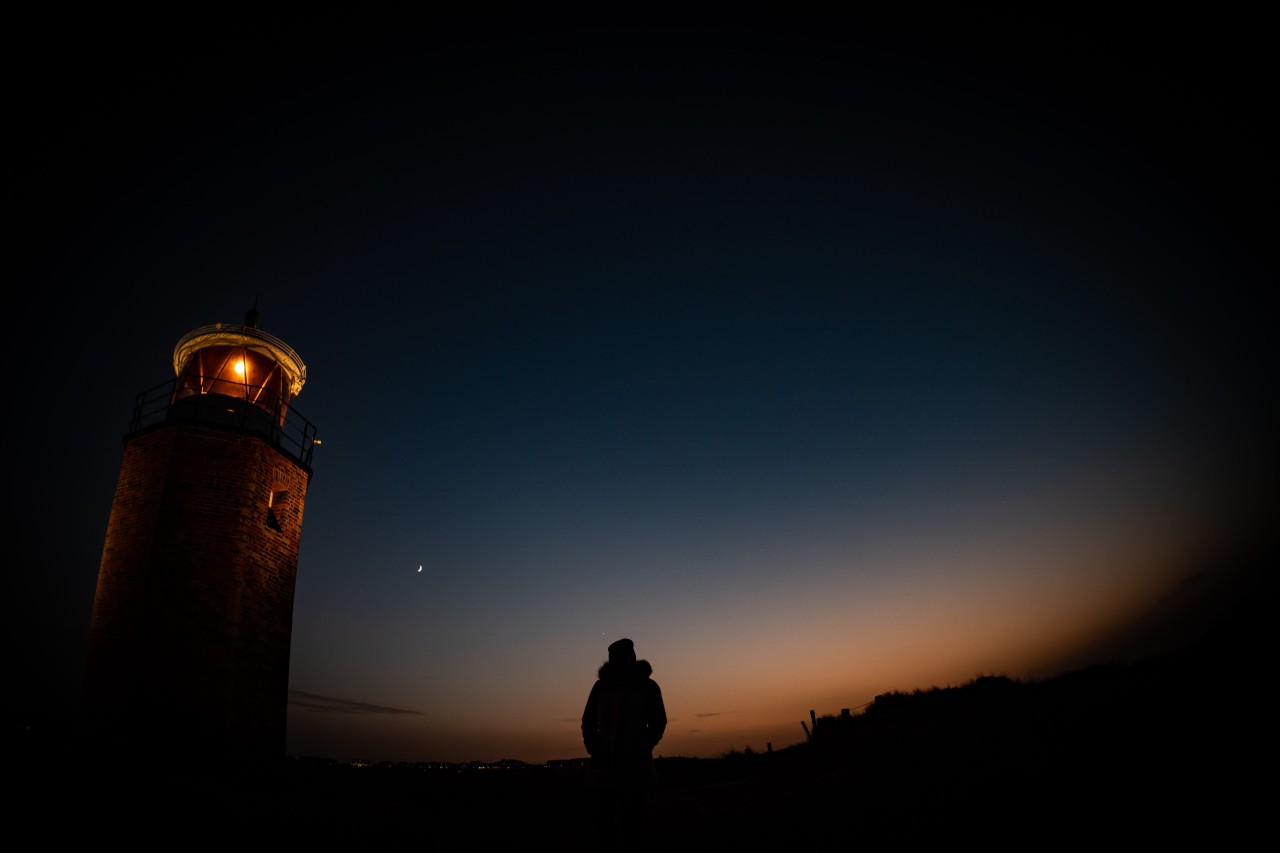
x=188 y=653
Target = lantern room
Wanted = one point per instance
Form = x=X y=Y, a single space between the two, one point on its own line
x=243 y=363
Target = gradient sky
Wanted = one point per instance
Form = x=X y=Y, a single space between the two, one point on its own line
x=820 y=357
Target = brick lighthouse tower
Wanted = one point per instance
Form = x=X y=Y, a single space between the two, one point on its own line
x=189 y=640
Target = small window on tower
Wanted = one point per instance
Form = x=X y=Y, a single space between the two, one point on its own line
x=275 y=497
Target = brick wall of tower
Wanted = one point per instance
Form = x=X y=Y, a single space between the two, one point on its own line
x=192 y=620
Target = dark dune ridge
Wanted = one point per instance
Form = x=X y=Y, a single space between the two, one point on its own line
x=1158 y=750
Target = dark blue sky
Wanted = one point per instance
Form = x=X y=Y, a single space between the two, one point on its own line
x=823 y=355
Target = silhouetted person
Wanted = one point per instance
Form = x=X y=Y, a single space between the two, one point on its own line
x=622 y=723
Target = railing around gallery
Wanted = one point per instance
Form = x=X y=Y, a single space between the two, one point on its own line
x=281 y=424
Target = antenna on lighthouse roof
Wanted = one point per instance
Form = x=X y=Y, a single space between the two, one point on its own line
x=252 y=317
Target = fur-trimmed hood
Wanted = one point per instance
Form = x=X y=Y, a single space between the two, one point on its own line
x=640 y=670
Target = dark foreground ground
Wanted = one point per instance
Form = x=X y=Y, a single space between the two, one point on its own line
x=1174 y=749
x=1145 y=754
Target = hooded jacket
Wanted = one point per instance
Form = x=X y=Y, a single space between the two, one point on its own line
x=623 y=721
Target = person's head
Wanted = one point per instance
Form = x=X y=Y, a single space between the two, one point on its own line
x=622 y=652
